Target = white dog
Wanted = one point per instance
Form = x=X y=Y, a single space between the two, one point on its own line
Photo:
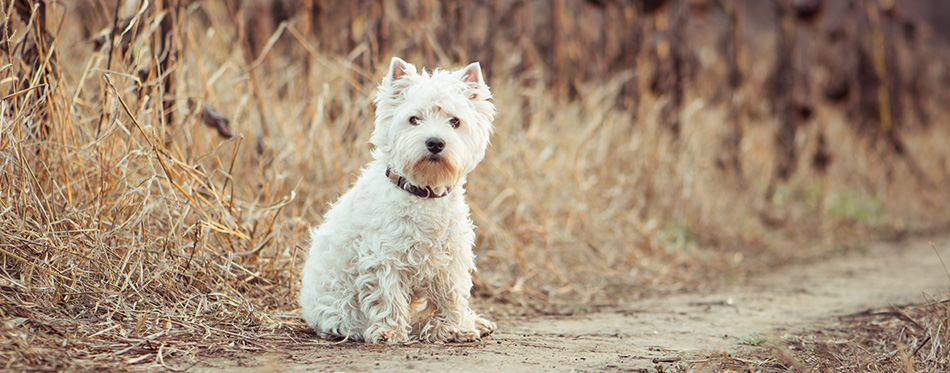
x=393 y=259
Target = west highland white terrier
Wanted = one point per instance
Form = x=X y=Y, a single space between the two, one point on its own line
x=393 y=259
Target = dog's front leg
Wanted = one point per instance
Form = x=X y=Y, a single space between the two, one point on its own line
x=384 y=299
x=453 y=319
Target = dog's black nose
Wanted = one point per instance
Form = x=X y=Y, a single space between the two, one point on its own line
x=435 y=144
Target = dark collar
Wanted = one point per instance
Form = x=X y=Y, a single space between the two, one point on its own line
x=417 y=191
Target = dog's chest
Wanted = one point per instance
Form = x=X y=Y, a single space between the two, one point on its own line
x=435 y=235
x=432 y=222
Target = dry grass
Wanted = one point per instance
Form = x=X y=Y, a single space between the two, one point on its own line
x=127 y=242
x=907 y=339
x=895 y=339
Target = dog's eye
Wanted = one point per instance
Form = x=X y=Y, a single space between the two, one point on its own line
x=454 y=122
x=414 y=120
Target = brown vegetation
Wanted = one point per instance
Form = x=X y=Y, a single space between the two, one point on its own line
x=641 y=146
x=895 y=339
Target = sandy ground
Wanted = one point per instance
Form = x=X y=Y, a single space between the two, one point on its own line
x=670 y=331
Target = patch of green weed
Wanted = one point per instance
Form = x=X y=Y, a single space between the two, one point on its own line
x=852 y=208
x=752 y=340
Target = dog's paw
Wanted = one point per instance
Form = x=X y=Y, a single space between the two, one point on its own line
x=388 y=336
x=460 y=336
x=443 y=332
x=484 y=327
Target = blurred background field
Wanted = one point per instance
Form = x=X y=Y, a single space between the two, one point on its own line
x=162 y=161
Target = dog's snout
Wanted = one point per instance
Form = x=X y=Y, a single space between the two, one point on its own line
x=435 y=144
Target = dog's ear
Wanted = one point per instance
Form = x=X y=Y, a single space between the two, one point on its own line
x=399 y=68
x=472 y=74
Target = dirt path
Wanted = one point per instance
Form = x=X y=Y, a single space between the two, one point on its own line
x=669 y=330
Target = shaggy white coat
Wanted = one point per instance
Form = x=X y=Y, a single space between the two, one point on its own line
x=389 y=266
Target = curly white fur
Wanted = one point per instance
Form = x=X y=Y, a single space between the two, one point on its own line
x=389 y=266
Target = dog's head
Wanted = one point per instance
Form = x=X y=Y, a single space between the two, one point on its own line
x=432 y=128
